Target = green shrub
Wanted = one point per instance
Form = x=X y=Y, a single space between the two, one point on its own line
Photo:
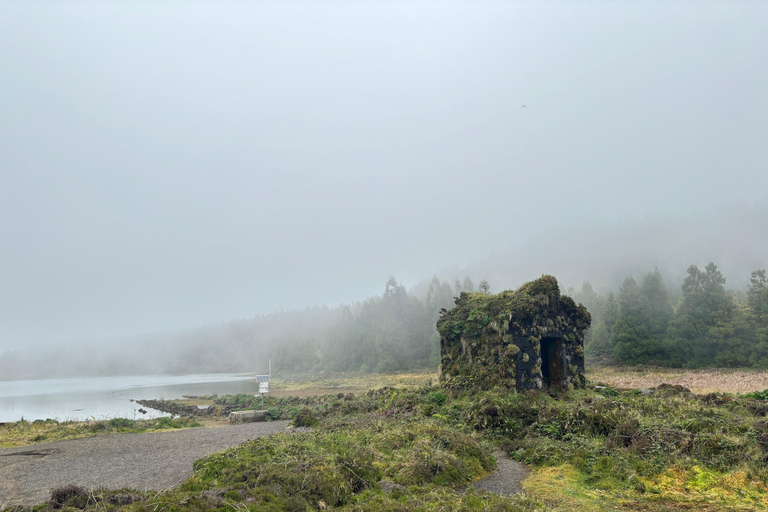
x=97 y=427
x=166 y=422
x=758 y=395
x=293 y=411
x=69 y=496
x=305 y=418
x=438 y=397
x=274 y=413
x=121 y=423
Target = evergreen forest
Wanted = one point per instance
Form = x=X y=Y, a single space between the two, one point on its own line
x=704 y=324
x=694 y=324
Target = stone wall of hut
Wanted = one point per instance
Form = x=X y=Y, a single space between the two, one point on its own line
x=526 y=339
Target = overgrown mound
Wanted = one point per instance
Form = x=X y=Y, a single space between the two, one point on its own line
x=492 y=341
x=70 y=495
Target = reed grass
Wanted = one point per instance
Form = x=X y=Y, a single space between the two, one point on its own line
x=713 y=380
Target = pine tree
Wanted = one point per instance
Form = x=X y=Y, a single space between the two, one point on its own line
x=593 y=302
x=630 y=332
x=757 y=318
x=757 y=294
x=610 y=312
x=432 y=291
x=657 y=314
x=702 y=332
x=588 y=297
x=601 y=337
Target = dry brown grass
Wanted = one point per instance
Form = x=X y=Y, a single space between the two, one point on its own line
x=640 y=377
x=713 y=380
x=346 y=382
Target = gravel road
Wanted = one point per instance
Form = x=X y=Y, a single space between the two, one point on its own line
x=508 y=478
x=147 y=461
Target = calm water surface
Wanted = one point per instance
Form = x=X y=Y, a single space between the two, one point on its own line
x=109 y=397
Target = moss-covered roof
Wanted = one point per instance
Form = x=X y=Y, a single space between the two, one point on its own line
x=537 y=303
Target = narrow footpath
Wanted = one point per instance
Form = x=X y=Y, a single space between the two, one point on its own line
x=507 y=479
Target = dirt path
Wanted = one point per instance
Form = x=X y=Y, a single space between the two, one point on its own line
x=508 y=478
x=147 y=461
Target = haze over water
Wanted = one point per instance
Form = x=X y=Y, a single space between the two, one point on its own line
x=108 y=397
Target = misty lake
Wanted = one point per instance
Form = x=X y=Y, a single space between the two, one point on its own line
x=86 y=398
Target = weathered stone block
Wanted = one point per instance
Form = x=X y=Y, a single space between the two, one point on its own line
x=247 y=416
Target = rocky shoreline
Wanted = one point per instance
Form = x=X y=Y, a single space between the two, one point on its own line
x=188 y=411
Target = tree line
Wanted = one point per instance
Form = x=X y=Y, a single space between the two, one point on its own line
x=394 y=331
x=699 y=324
x=702 y=325
x=390 y=332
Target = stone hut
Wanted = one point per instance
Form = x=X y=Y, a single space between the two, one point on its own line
x=532 y=338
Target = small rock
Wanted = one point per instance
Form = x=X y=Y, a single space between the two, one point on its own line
x=388 y=487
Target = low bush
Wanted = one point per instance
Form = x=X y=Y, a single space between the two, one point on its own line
x=121 y=423
x=274 y=413
x=758 y=395
x=69 y=496
x=305 y=418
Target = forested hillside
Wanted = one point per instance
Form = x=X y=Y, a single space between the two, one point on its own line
x=702 y=324
x=394 y=331
x=696 y=324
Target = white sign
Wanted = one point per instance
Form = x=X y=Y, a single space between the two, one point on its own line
x=263 y=387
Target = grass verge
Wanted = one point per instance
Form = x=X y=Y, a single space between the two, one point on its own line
x=24 y=433
x=420 y=448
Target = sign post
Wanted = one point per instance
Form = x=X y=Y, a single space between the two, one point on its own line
x=263 y=381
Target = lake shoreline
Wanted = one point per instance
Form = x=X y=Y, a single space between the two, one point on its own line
x=80 y=399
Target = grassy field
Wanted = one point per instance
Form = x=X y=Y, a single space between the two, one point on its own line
x=412 y=445
x=346 y=382
x=718 y=380
x=698 y=381
x=734 y=381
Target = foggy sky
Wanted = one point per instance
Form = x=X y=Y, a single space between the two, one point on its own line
x=165 y=165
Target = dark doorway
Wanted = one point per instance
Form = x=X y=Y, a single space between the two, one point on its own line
x=552 y=362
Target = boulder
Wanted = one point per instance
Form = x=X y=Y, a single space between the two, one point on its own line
x=247 y=416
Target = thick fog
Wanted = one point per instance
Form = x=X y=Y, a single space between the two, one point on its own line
x=167 y=165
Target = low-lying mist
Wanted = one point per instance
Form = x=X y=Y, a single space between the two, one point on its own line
x=395 y=330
